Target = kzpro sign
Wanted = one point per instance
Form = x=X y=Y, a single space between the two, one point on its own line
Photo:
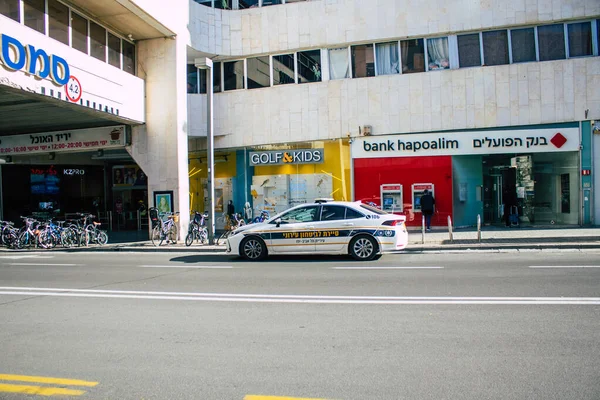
x=278 y=157
x=16 y=56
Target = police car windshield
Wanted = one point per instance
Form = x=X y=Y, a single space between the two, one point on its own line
x=373 y=209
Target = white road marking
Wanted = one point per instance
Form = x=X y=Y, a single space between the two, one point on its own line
x=304 y=299
x=24 y=256
x=369 y=268
x=188 y=266
x=564 y=266
x=43 y=264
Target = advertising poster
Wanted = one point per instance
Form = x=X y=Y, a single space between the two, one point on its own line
x=128 y=175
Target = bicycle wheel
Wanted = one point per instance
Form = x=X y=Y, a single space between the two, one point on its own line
x=84 y=238
x=24 y=240
x=172 y=234
x=66 y=238
x=203 y=236
x=102 y=238
x=223 y=237
x=155 y=236
x=189 y=238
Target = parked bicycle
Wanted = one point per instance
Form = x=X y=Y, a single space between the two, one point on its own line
x=197 y=230
x=262 y=217
x=165 y=229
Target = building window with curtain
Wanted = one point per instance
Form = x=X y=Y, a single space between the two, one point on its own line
x=309 y=66
x=388 y=59
x=283 y=69
x=339 y=65
x=233 y=72
x=580 y=39
x=469 y=52
x=35 y=15
x=207 y=3
x=551 y=40
x=11 y=9
x=522 y=42
x=58 y=21
x=258 y=72
x=271 y=2
x=413 y=56
x=495 y=47
x=438 y=54
x=363 y=61
x=79 y=33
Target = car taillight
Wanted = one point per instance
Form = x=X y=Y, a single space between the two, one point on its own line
x=393 y=222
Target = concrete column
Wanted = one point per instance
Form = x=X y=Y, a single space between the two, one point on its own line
x=160 y=147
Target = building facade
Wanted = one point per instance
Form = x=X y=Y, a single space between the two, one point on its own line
x=493 y=105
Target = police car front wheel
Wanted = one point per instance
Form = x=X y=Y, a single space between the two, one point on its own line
x=253 y=249
x=363 y=248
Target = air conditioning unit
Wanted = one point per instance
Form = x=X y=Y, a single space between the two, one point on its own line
x=365 y=130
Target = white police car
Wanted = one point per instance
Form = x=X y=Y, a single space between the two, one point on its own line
x=335 y=227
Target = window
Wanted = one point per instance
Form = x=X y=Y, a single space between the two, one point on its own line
x=248 y=4
x=283 y=69
x=495 y=47
x=234 y=75
x=551 y=40
x=258 y=72
x=388 y=60
x=339 y=66
x=332 y=213
x=114 y=50
x=438 y=56
x=580 y=39
x=202 y=79
x=469 y=53
x=217 y=77
x=363 y=61
x=10 y=9
x=35 y=15
x=97 y=41
x=192 y=79
x=309 y=66
x=58 y=17
x=352 y=214
x=207 y=3
x=128 y=57
x=270 y=2
x=223 y=4
x=523 y=45
x=79 y=33
x=413 y=56
x=302 y=214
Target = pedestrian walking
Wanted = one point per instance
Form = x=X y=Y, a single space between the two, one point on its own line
x=427 y=207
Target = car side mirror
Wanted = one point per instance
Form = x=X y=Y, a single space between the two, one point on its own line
x=278 y=222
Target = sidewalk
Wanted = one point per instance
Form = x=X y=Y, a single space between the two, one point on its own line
x=492 y=238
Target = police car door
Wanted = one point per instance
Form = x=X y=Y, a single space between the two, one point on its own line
x=332 y=231
x=294 y=231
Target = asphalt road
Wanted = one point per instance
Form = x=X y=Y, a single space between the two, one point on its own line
x=517 y=325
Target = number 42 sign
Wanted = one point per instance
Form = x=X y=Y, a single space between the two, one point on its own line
x=73 y=89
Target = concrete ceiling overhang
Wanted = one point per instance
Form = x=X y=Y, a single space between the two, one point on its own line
x=23 y=112
x=124 y=16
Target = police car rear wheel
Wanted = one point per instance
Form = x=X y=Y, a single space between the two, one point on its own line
x=363 y=248
x=253 y=249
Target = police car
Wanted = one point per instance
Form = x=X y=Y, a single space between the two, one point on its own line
x=323 y=227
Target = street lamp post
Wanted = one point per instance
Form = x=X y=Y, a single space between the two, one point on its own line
x=207 y=64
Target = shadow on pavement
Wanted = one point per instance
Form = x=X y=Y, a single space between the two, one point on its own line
x=198 y=258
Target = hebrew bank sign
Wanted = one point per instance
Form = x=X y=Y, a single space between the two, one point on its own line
x=17 y=56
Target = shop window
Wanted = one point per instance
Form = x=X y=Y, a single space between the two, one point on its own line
x=192 y=79
x=495 y=47
x=388 y=59
x=469 y=52
x=128 y=57
x=98 y=41
x=223 y=4
x=309 y=66
x=258 y=72
x=363 y=61
x=523 y=45
x=79 y=33
x=58 y=20
x=114 y=50
x=339 y=66
x=438 y=55
x=248 y=4
x=283 y=69
x=233 y=71
x=35 y=15
x=580 y=39
x=270 y=2
x=332 y=213
x=299 y=215
x=413 y=56
x=352 y=214
x=551 y=41
x=217 y=77
x=10 y=9
x=207 y=3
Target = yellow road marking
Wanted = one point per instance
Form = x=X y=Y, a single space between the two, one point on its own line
x=39 y=390
x=259 y=397
x=45 y=379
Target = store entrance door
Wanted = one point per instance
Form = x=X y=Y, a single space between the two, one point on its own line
x=499 y=188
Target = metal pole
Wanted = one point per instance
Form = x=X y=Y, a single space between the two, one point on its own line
x=479 y=228
x=139 y=220
x=211 y=152
x=450 y=229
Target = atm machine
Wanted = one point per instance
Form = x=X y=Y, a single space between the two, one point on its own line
x=391 y=197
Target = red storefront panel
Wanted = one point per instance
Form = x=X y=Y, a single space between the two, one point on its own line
x=371 y=173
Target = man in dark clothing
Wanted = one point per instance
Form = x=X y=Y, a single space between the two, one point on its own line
x=427 y=205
